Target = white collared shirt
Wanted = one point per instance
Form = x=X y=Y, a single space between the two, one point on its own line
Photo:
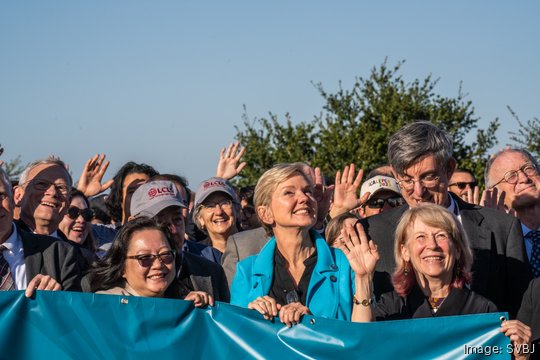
x=14 y=256
x=454 y=209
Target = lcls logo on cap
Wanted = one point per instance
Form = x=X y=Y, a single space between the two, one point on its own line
x=381 y=181
x=166 y=190
x=207 y=184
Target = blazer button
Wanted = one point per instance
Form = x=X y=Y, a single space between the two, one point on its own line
x=255 y=286
x=333 y=267
x=333 y=278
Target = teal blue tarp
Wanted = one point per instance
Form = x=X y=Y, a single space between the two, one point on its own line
x=67 y=325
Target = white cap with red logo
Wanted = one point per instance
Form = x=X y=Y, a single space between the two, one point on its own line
x=154 y=196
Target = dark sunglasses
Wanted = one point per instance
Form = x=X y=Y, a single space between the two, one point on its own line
x=166 y=258
x=463 y=185
x=74 y=212
x=379 y=203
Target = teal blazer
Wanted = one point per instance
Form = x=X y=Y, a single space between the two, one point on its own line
x=330 y=290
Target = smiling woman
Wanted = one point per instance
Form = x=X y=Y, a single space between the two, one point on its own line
x=296 y=272
x=140 y=262
x=217 y=210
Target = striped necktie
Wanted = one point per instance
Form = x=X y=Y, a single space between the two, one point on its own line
x=6 y=280
x=534 y=236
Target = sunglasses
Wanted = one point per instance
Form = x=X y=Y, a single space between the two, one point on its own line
x=379 y=203
x=74 y=212
x=463 y=185
x=166 y=258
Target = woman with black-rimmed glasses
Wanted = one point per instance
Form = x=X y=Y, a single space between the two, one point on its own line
x=141 y=262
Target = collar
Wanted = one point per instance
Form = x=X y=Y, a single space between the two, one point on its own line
x=453 y=208
x=13 y=242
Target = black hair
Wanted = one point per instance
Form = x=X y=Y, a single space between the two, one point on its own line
x=115 y=201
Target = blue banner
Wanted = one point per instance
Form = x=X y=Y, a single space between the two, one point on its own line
x=68 y=325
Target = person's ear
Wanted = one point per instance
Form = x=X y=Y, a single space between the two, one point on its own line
x=265 y=214
x=18 y=194
x=405 y=255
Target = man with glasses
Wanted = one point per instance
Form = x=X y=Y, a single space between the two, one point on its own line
x=384 y=195
x=464 y=185
x=421 y=158
x=160 y=200
x=43 y=196
x=512 y=180
x=30 y=261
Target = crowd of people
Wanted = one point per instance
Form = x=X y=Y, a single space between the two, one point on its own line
x=414 y=239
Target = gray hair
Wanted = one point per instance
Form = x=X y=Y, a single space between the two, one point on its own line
x=50 y=160
x=414 y=141
x=4 y=177
x=487 y=172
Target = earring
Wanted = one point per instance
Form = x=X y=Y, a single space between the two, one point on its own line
x=406 y=270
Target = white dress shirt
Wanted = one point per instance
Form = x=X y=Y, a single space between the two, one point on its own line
x=14 y=256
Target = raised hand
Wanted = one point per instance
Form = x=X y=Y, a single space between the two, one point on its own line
x=92 y=175
x=493 y=198
x=361 y=253
x=345 y=189
x=472 y=196
x=229 y=164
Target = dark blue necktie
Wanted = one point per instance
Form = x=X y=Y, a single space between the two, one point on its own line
x=534 y=236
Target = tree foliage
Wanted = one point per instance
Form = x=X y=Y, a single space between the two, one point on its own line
x=527 y=135
x=356 y=124
x=14 y=167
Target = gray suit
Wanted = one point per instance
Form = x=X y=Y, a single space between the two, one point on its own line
x=501 y=271
x=50 y=256
x=240 y=246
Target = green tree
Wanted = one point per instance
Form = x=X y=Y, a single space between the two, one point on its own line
x=356 y=124
x=14 y=167
x=528 y=134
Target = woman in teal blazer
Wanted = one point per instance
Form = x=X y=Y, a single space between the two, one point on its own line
x=296 y=272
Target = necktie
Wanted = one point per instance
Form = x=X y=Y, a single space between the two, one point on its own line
x=6 y=280
x=534 y=236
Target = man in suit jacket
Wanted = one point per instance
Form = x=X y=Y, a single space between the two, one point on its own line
x=240 y=246
x=160 y=200
x=32 y=262
x=421 y=158
x=512 y=178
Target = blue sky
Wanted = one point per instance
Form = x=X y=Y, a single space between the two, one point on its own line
x=165 y=82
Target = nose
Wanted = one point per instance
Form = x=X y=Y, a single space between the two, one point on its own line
x=432 y=242
x=52 y=190
x=218 y=209
x=418 y=189
x=522 y=177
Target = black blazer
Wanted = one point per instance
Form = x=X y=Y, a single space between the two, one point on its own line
x=529 y=313
x=50 y=256
x=391 y=306
x=501 y=270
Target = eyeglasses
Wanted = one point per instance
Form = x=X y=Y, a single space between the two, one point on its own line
x=42 y=185
x=512 y=176
x=379 y=203
x=463 y=185
x=166 y=258
x=428 y=181
x=73 y=212
x=224 y=204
